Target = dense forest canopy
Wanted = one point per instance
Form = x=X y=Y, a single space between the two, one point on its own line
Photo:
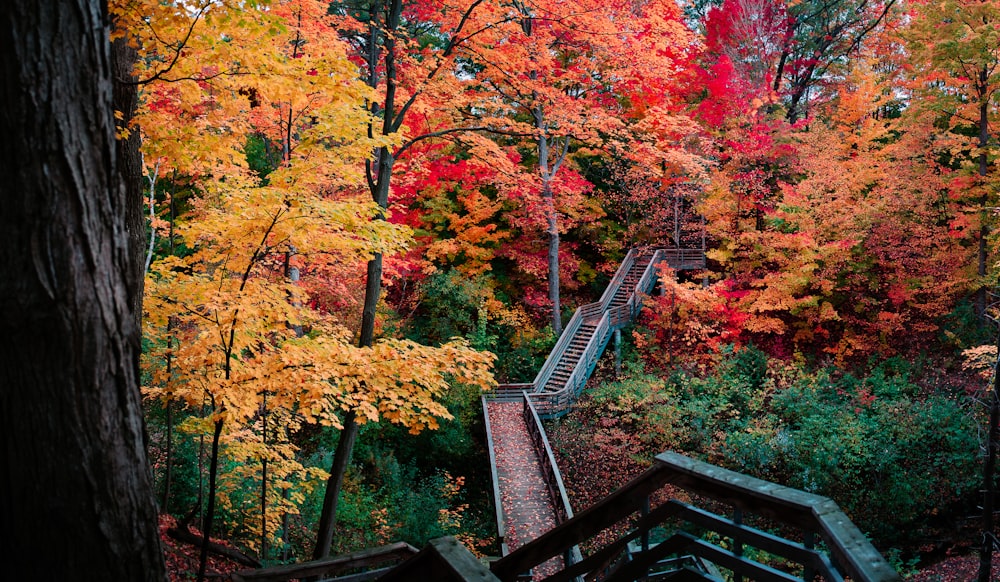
x=352 y=218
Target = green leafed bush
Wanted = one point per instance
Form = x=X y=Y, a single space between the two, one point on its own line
x=892 y=460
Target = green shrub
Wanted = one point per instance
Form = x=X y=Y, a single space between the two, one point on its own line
x=891 y=460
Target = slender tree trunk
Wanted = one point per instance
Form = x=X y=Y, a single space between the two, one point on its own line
x=167 y=471
x=989 y=487
x=206 y=528
x=285 y=526
x=341 y=460
x=126 y=101
x=992 y=436
x=984 y=231
x=76 y=491
x=345 y=446
x=263 y=482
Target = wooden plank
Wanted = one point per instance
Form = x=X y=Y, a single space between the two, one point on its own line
x=617 y=279
x=328 y=566
x=748 y=493
x=584 y=525
x=360 y=577
x=850 y=548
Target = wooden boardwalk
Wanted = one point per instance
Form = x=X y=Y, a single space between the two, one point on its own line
x=527 y=482
x=527 y=506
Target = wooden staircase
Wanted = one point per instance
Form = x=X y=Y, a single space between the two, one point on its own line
x=552 y=394
x=572 y=360
x=823 y=541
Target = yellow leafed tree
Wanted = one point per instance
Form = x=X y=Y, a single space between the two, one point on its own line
x=232 y=333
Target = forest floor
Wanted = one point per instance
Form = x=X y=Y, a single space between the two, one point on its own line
x=955 y=569
x=182 y=558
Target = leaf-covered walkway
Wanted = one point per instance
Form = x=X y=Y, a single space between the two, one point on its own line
x=525 y=484
x=527 y=507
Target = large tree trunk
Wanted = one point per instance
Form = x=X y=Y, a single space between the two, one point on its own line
x=75 y=486
x=547 y=170
x=552 y=229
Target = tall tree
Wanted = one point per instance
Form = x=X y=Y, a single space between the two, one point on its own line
x=818 y=38
x=957 y=58
x=957 y=44
x=559 y=72
x=410 y=74
x=75 y=480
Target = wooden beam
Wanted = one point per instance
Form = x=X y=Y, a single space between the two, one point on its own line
x=328 y=566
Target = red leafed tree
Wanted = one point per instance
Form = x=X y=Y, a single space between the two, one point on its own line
x=793 y=46
x=75 y=490
x=559 y=72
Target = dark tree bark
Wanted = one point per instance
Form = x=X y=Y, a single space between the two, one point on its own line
x=388 y=12
x=983 y=94
x=125 y=101
x=75 y=483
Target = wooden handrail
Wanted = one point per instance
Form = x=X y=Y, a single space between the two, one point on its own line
x=807 y=511
x=852 y=554
x=510 y=392
x=618 y=278
x=329 y=566
x=550 y=470
x=497 y=500
x=596 y=343
x=559 y=349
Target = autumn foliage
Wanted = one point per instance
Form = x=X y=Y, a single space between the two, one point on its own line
x=359 y=211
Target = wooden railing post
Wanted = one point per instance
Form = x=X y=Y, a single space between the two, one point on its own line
x=645 y=532
x=809 y=541
x=737 y=542
x=618 y=353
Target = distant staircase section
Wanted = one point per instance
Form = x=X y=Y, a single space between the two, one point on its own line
x=572 y=360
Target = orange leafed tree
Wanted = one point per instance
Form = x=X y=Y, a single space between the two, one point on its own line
x=224 y=316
